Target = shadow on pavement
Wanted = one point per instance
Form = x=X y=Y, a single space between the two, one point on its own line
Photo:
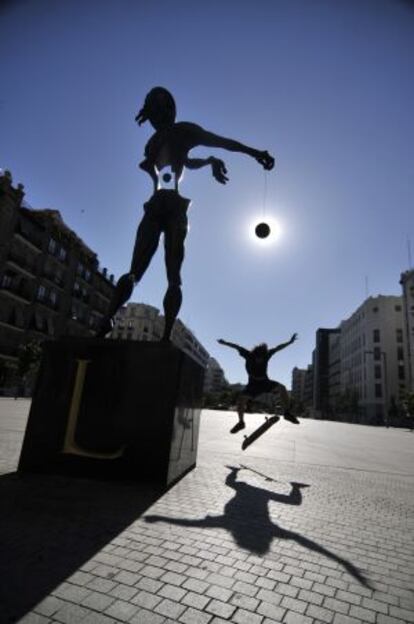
x=50 y=526
x=246 y=517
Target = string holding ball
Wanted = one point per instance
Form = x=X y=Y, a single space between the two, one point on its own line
x=262 y=230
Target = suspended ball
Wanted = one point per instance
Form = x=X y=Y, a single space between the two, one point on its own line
x=167 y=177
x=262 y=230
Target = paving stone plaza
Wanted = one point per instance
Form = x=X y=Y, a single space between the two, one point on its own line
x=312 y=524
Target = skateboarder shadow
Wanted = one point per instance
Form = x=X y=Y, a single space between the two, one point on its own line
x=246 y=517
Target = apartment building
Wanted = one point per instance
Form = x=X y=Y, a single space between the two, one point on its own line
x=373 y=356
x=298 y=384
x=139 y=321
x=321 y=369
x=407 y=283
x=215 y=380
x=50 y=281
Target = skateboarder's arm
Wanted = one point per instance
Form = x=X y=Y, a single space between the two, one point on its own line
x=283 y=345
x=209 y=139
x=243 y=352
x=218 y=167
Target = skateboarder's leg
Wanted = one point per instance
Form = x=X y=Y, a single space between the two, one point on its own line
x=284 y=399
x=241 y=408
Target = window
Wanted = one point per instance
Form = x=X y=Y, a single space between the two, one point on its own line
x=400 y=353
x=375 y=309
x=52 y=246
x=376 y=335
x=80 y=268
x=378 y=391
x=41 y=293
x=398 y=308
x=53 y=298
x=401 y=372
x=62 y=254
x=377 y=353
x=377 y=371
x=87 y=275
x=399 y=333
x=6 y=281
x=130 y=325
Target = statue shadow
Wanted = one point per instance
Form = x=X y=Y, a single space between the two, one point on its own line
x=246 y=518
x=50 y=526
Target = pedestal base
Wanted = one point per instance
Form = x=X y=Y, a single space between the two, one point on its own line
x=114 y=409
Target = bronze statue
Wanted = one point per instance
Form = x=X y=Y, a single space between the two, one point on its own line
x=166 y=211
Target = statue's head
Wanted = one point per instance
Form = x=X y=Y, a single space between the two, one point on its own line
x=260 y=350
x=159 y=109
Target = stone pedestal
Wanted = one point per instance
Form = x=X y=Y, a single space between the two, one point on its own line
x=114 y=409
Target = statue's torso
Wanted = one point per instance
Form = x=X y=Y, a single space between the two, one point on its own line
x=169 y=147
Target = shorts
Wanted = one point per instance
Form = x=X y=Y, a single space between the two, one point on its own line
x=260 y=386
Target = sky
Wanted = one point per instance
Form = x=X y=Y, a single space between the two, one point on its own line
x=326 y=86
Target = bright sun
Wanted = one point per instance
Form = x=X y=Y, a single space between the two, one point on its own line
x=275 y=231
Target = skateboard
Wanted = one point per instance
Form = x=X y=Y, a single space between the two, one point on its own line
x=269 y=422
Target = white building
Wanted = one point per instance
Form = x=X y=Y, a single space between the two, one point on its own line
x=373 y=358
x=407 y=283
x=215 y=379
x=139 y=321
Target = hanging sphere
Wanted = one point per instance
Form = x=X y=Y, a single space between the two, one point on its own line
x=262 y=230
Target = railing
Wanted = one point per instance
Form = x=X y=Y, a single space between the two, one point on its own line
x=22 y=262
x=29 y=236
x=16 y=289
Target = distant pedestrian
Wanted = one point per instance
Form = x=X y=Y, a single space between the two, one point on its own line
x=258 y=381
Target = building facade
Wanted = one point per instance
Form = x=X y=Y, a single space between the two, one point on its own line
x=50 y=281
x=407 y=283
x=139 y=321
x=298 y=385
x=321 y=370
x=373 y=357
x=215 y=380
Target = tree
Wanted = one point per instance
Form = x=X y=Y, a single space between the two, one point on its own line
x=28 y=361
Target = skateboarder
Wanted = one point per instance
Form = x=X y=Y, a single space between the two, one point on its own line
x=259 y=383
x=166 y=211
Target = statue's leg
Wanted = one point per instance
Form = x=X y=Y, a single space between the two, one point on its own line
x=174 y=237
x=146 y=243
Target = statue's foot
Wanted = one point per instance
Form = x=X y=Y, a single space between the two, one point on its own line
x=105 y=328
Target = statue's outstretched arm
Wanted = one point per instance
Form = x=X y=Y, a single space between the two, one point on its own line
x=209 y=139
x=218 y=168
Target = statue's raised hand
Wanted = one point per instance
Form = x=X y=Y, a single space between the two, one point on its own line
x=266 y=160
x=219 y=170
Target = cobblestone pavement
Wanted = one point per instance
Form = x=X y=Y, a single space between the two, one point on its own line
x=302 y=528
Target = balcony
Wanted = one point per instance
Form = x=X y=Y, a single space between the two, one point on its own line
x=46 y=301
x=10 y=325
x=30 y=239
x=22 y=264
x=18 y=292
x=53 y=278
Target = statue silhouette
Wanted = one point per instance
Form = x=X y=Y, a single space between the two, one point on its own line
x=166 y=211
x=259 y=383
x=246 y=517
